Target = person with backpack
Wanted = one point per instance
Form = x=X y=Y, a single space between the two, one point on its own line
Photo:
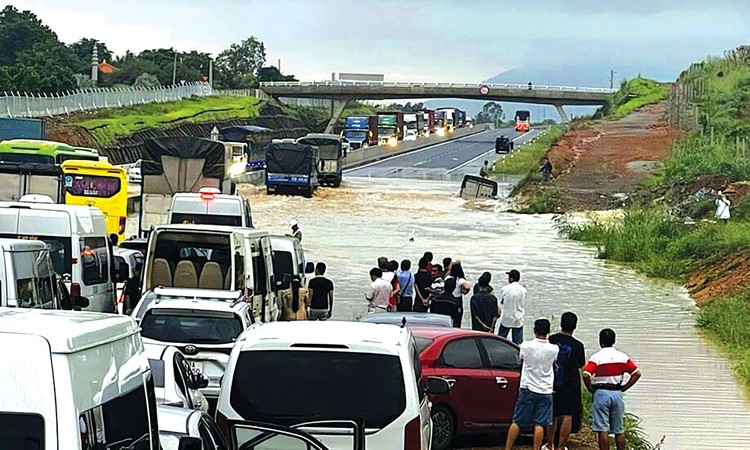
x=566 y=405
x=406 y=281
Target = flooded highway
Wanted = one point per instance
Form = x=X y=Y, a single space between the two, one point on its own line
x=687 y=394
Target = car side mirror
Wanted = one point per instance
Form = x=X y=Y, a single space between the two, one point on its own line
x=80 y=303
x=438 y=386
x=190 y=443
x=309 y=268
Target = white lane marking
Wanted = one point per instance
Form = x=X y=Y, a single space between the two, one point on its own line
x=417 y=151
x=478 y=157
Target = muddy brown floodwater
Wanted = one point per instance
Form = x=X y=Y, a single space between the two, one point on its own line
x=687 y=395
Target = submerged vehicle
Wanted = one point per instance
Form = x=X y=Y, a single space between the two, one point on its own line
x=330 y=153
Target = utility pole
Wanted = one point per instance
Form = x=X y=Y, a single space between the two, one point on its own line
x=174 y=69
x=211 y=72
x=612 y=78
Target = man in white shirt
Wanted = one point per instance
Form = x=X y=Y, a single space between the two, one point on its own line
x=512 y=304
x=378 y=292
x=534 y=404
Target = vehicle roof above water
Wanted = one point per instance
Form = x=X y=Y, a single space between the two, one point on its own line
x=77 y=210
x=181 y=227
x=197 y=195
x=21 y=245
x=333 y=335
x=196 y=304
x=413 y=319
x=67 y=331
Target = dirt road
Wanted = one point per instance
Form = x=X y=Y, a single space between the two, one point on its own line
x=599 y=165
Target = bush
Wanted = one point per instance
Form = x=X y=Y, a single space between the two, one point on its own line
x=636 y=93
x=726 y=320
x=542 y=202
x=526 y=159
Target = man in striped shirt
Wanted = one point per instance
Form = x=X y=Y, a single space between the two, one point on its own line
x=604 y=374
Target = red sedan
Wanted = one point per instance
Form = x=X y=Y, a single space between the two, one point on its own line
x=484 y=371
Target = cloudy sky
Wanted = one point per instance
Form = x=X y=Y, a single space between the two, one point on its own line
x=431 y=40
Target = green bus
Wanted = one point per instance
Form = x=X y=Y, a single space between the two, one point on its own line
x=33 y=167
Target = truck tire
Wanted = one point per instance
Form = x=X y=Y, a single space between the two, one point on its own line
x=268 y=190
x=336 y=183
x=309 y=192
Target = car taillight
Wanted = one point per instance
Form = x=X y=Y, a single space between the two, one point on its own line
x=75 y=290
x=221 y=423
x=122 y=224
x=413 y=434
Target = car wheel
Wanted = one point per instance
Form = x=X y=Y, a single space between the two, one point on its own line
x=443 y=428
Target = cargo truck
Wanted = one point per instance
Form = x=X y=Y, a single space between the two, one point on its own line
x=180 y=164
x=440 y=127
x=361 y=131
x=411 y=126
x=523 y=121
x=390 y=127
x=291 y=168
x=330 y=152
x=428 y=115
x=460 y=118
x=449 y=119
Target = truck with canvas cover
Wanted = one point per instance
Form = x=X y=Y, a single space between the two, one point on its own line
x=390 y=127
x=503 y=144
x=361 y=131
x=428 y=127
x=330 y=153
x=180 y=164
x=291 y=168
x=413 y=126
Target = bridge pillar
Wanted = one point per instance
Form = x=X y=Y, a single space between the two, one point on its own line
x=337 y=108
x=563 y=115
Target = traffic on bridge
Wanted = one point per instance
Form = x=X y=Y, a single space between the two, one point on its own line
x=204 y=249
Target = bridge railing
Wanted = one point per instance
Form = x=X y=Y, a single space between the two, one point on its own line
x=407 y=84
x=21 y=104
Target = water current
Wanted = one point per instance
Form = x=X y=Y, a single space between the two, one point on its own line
x=688 y=394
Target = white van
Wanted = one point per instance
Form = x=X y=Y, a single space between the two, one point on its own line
x=74 y=381
x=78 y=243
x=289 y=260
x=210 y=262
x=331 y=371
x=210 y=207
x=27 y=278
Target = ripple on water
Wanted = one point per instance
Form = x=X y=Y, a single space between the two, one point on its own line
x=687 y=393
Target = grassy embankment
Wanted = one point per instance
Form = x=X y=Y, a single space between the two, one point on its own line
x=634 y=94
x=109 y=124
x=655 y=239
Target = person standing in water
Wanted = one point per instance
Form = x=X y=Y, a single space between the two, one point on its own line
x=296 y=232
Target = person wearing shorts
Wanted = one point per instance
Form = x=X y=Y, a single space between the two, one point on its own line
x=604 y=374
x=534 y=404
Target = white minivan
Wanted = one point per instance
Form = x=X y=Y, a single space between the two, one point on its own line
x=78 y=244
x=27 y=278
x=74 y=381
x=331 y=371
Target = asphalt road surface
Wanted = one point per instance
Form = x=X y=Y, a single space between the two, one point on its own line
x=447 y=160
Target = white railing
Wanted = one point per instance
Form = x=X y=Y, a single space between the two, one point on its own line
x=434 y=85
x=21 y=104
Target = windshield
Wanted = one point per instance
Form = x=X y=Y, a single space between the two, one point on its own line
x=188 y=328
x=91 y=186
x=355 y=135
x=207 y=219
x=383 y=132
x=331 y=380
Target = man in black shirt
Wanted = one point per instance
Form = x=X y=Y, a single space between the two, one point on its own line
x=422 y=283
x=567 y=395
x=321 y=294
x=483 y=304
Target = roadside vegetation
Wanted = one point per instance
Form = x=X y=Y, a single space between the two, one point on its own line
x=109 y=124
x=674 y=236
x=525 y=159
x=636 y=93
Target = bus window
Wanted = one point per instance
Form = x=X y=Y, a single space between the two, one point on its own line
x=93 y=186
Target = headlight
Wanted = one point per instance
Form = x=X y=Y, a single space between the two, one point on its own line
x=392 y=141
x=440 y=131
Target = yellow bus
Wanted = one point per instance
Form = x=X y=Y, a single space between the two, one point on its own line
x=100 y=184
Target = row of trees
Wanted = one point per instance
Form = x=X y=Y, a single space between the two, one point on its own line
x=32 y=59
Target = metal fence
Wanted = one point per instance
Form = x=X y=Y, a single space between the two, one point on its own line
x=15 y=104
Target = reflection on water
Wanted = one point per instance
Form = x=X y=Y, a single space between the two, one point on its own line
x=687 y=392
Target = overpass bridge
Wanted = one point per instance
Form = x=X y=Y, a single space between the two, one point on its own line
x=341 y=92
